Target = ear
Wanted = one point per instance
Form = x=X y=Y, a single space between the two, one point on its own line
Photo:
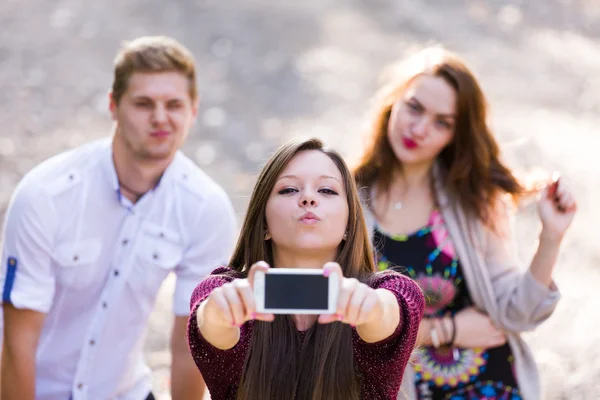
x=112 y=106
x=195 y=106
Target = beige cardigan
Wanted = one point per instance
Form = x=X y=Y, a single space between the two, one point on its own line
x=498 y=284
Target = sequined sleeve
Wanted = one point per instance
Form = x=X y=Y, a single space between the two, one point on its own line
x=221 y=369
x=381 y=365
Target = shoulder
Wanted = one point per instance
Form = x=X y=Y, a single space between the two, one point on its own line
x=201 y=199
x=59 y=174
x=195 y=182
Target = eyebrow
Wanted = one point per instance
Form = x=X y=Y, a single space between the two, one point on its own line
x=413 y=98
x=148 y=98
x=320 y=177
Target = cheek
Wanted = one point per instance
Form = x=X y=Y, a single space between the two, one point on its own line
x=275 y=214
x=442 y=141
x=339 y=216
x=397 y=125
x=133 y=119
x=393 y=125
x=182 y=119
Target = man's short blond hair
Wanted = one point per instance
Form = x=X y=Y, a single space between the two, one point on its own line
x=152 y=54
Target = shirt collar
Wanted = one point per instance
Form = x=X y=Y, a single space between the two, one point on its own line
x=113 y=180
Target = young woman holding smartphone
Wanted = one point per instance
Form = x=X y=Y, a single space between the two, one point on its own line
x=305 y=212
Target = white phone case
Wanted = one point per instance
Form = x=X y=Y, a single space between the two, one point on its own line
x=259 y=291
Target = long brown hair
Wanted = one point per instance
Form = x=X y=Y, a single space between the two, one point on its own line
x=472 y=171
x=278 y=365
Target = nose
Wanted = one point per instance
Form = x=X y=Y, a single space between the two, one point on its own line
x=159 y=116
x=312 y=202
x=420 y=128
x=308 y=199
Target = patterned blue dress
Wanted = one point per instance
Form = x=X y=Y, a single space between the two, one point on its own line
x=446 y=373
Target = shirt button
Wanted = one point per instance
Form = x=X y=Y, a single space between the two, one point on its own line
x=80 y=386
x=116 y=272
x=92 y=342
x=155 y=256
x=162 y=235
x=124 y=242
x=104 y=305
x=75 y=257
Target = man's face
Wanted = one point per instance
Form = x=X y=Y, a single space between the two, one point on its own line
x=154 y=115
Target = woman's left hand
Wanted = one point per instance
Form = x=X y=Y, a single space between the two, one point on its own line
x=357 y=303
x=557 y=207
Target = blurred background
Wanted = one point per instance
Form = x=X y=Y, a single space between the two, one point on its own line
x=272 y=70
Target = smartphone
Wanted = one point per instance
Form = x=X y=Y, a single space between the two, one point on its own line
x=295 y=291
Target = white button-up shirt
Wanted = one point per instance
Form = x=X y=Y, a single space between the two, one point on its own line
x=77 y=250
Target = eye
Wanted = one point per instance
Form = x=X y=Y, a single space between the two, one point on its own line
x=287 y=191
x=329 y=191
x=173 y=105
x=143 y=104
x=413 y=107
x=444 y=124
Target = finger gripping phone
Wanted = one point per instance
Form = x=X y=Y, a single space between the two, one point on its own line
x=295 y=291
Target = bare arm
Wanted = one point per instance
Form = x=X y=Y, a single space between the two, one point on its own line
x=186 y=380
x=22 y=330
x=544 y=260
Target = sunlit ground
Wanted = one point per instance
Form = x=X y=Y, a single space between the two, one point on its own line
x=269 y=71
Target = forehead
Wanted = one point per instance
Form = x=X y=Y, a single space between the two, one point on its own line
x=158 y=85
x=312 y=164
x=434 y=93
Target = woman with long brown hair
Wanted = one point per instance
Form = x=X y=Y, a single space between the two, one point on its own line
x=305 y=212
x=438 y=205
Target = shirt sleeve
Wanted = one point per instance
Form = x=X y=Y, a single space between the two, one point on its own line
x=221 y=369
x=383 y=363
x=215 y=230
x=27 y=277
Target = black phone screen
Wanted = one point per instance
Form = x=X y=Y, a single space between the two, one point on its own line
x=310 y=292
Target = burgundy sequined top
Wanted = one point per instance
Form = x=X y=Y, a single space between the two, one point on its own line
x=380 y=364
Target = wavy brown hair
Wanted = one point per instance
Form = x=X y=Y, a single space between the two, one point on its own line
x=278 y=364
x=472 y=171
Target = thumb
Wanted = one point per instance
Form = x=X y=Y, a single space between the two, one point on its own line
x=259 y=266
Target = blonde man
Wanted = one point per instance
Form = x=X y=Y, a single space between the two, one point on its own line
x=91 y=234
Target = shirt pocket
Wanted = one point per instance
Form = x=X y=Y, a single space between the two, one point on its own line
x=159 y=252
x=77 y=262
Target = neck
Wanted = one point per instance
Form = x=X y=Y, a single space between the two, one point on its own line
x=414 y=175
x=136 y=176
x=292 y=259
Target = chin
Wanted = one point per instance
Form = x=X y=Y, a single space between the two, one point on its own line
x=408 y=158
x=158 y=152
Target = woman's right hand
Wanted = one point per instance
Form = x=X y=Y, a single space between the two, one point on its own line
x=474 y=329
x=233 y=303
